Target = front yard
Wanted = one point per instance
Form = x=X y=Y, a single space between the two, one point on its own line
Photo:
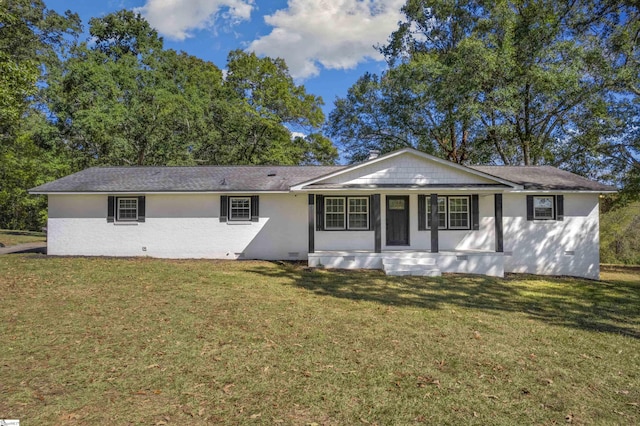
x=118 y=341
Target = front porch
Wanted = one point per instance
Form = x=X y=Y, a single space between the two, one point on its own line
x=413 y=262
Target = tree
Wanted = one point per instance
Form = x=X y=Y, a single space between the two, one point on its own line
x=259 y=105
x=367 y=119
x=125 y=100
x=32 y=40
x=505 y=82
x=622 y=147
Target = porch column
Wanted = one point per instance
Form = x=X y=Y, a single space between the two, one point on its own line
x=434 y=223
x=497 y=199
x=311 y=225
x=377 y=228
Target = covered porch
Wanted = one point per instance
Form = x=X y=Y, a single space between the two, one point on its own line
x=424 y=250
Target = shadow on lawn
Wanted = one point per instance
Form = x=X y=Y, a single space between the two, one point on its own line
x=612 y=307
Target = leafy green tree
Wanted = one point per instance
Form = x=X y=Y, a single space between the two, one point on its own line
x=366 y=119
x=259 y=105
x=622 y=147
x=125 y=100
x=506 y=82
x=32 y=40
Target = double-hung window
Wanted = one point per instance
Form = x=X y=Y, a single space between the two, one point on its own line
x=543 y=208
x=458 y=212
x=358 y=217
x=334 y=213
x=239 y=208
x=346 y=213
x=127 y=209
x=442 y=213
x=455 y=212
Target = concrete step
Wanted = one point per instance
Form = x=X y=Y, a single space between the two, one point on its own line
x=416 y=266
x=414 y=272
x=422 y=261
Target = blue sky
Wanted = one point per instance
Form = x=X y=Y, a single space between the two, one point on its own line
x=327 y=44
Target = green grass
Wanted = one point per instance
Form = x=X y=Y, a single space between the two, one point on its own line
x=143 y=341
x=12 y=238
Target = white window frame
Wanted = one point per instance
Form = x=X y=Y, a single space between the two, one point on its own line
x=118 y=208
x=468 y=212
x=428 y=213
x=349 y=213
x=553 y=207
x=344 y=209
x=231 y=209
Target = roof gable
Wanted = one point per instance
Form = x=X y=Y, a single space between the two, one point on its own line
x=406 y=167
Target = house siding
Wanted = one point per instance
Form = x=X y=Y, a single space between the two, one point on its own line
x=179 y=226
x=188 y=225
x=407 y=169
x=568 y=247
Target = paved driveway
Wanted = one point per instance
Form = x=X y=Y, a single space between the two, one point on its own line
x=40 y=247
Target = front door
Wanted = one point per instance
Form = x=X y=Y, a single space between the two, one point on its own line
x=397 y=220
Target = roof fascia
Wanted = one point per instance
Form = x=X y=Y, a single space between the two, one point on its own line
x=407 y=189
x=154 y=192
x=565 y=191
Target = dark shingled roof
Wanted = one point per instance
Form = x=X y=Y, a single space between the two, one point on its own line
x=279 y=178
x=186 y=179
x=544 y=178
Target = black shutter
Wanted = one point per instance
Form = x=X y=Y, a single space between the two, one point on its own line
x=529 y=207
x=319 y=212
x=499 y=227
x=255 y=208
x=560 y=207
x=377 y=228
x=422 y=212
x=475 y=212
x=141 y=209
x=111 y=208
x=224 y=208
x=435 y=224
x=311 y=213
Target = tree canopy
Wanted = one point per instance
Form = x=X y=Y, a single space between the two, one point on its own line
x=120 y=98
x=516 y=82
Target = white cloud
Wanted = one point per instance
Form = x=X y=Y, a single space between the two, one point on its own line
x=334 y=34
x=176 y=18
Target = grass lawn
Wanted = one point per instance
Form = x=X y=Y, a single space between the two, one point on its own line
x=119 y=341
x=11 y=238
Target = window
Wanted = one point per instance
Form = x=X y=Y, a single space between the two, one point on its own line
x=458 y=212
x=350 y=213
x=454 y=212
x=334 y=213
x=127 y=209
x=543 y=208
x=239 y=208
x=442 y=213
x=358 y=213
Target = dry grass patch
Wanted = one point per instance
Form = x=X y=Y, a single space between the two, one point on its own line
x=99 y=341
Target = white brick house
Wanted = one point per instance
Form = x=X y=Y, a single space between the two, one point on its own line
x=406 y=212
